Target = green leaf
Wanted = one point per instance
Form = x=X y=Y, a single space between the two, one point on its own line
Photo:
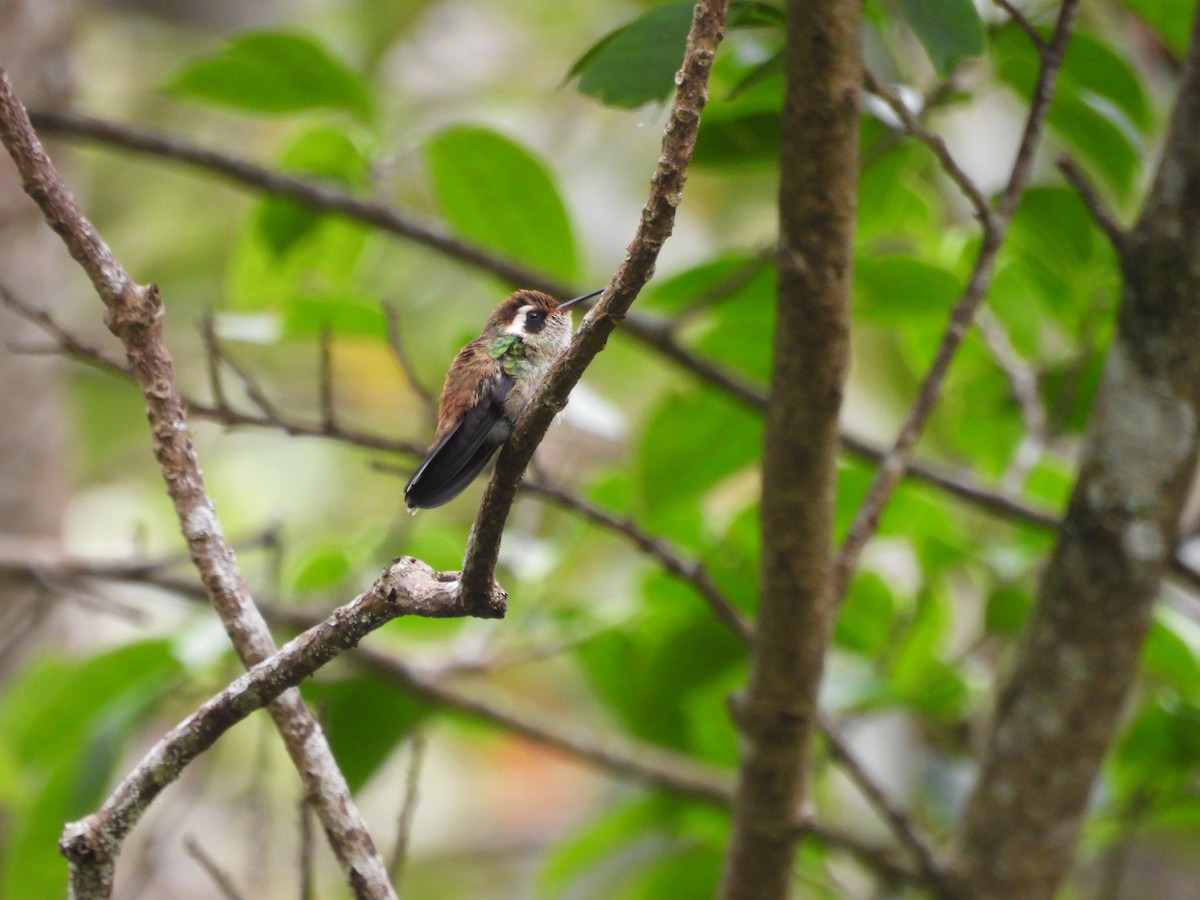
x=919 y=678
x=650 y=671
x=45 y=714
x=321 y=263
x=675 y=293
x=1092 y=65
x=1168 y=654
x=497 y=193
x=636 y=63
x=364 y=719
x=865 y=621
x=1091 y=134
x=950 y=30
x=342 y=312
x=273 y=72
x=687 y=871
x=583 y=865
x=771 y=67
x=696 y=439
x=742 y=329
x=324 y=152
x=1172 y=20
x=1160 y=750
x=893 y=289
x=62 y=727
x=751 y=14
x=898 y=211
x=734 y=138
x=1007 y=610
x=321 y=568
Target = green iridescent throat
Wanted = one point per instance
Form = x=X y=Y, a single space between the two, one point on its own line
x=509 y=349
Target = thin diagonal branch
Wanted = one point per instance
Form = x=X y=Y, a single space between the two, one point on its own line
x=931 y=867
x=134 y=313
x=408 y=809
x=325 y=379
x=407 y=587
x=1024 y=24
x=657 y=222
x=1101 y=214
x=396 y=342
x=937 y=145
x=219 y=877
x=691 y=571
x=893 y=466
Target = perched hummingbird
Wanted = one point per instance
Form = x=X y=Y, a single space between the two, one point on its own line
x=489 y=383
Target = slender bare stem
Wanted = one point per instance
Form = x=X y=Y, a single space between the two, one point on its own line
x=408 y=809
x=1024 y=24
x=1101 y=214
x=691 y=571
x=937 y=145
x=220 y=878
x=396 y=342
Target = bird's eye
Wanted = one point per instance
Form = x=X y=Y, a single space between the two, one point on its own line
x=535 y=315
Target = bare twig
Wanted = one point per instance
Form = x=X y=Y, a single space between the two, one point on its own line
x=932 y=869
x=691 y=571
x=937 y=145
x=212 y=359
x=220 y=878
x=726 y=287
x=407 y=587
x=325 y=380
x=250 y=384
x=396 y=342
x=1024 y=24
x=408 y=810
x=893 y=466
x=134 y=313
x=307 y=884
x=657 y=222
x=1101 y=214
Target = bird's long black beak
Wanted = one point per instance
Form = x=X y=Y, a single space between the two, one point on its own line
x=571 y=303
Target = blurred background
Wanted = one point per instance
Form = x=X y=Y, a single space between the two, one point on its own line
x=487 y=122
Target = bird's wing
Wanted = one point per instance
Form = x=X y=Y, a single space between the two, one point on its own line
x=454 y=461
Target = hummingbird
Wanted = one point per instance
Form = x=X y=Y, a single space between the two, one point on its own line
x=489 y=383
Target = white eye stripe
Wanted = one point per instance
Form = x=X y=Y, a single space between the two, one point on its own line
x=517 y=326
x=520 y=322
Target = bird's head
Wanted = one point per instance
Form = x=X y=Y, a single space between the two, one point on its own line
x=537 y=318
